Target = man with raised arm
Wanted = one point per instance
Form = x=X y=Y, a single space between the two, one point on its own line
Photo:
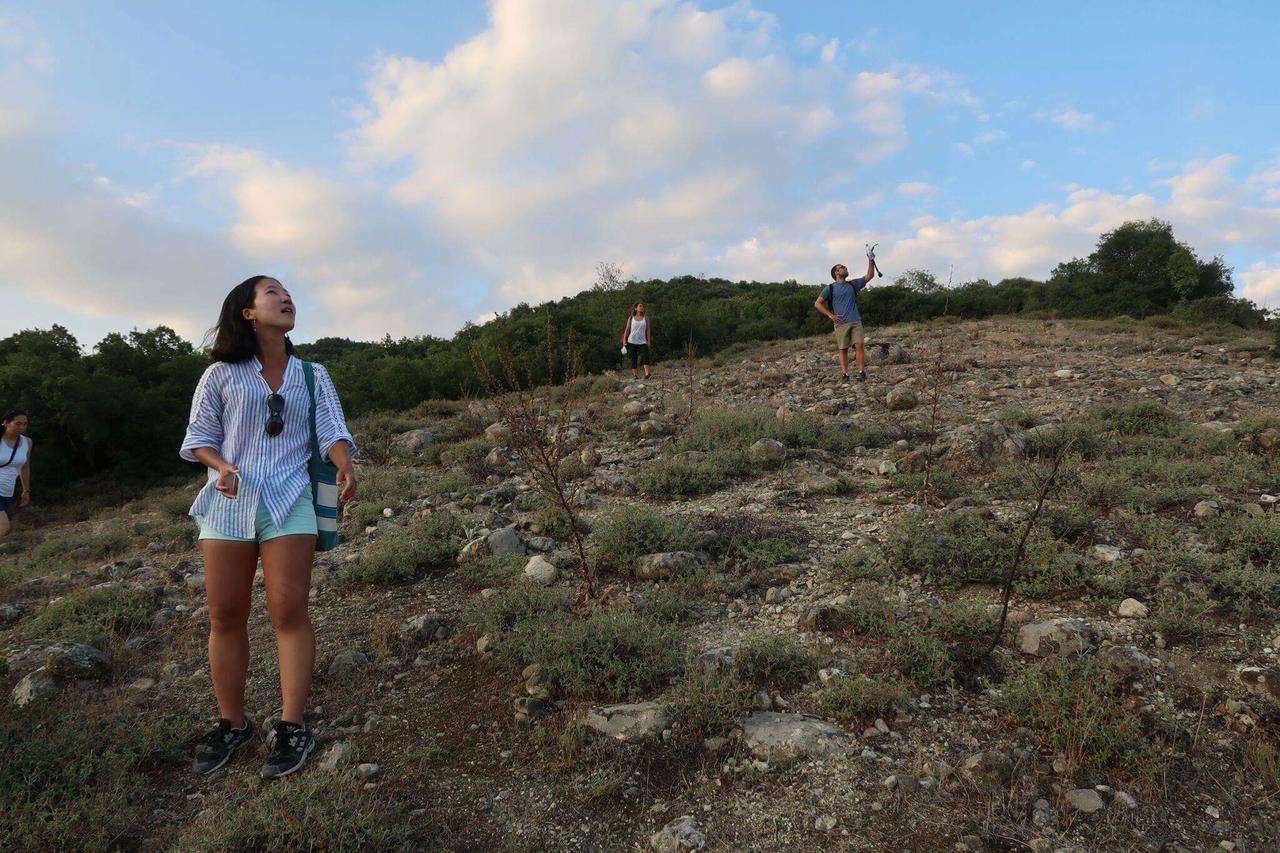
x=839 y=302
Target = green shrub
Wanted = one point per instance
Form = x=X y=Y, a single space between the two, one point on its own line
x=941 y=483
x=1183 y=615
x=691 y=473
x=870 y=614
x=66 y=551
x=381 y=487
x=1251 y=538
x=667 y=604
x=498 y=613
x=397 y=555
x=923 y=660
x=493 y=571
x=447 y=482
x=962 y=622
x=466 y=457
x=776 y=662
x=766 y=553
x=1136 y=418
x=861 y=699
x=1016 y=416
x=633 y=531
x=953 y=547
x=606 y=656
x=709 y=704
x=94 y=616
x=860 y=564
x=70 y=783
x=1077 y=709
x=315 y=812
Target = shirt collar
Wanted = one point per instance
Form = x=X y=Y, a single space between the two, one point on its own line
x=291 y=368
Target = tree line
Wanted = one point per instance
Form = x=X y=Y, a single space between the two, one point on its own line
x=121 y=408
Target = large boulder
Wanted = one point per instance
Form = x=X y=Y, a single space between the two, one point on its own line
x=900 y=398
x=416 y=441
x=76 y=660
x=630 y=723
x=783 y=739
x=668 y=564
x=503 y=541
x=36 y=686
x=992 y=444
x=1060 y=636
x=498 y=432
x=768 y=453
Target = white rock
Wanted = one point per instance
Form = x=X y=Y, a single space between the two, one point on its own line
x=1131 y=608
x=540 y=570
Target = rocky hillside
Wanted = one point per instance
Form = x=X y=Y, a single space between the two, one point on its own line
x=799 y=583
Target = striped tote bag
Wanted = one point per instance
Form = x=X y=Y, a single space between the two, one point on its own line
x=324 y=479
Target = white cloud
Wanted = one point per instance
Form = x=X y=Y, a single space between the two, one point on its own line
x=989 y=136
x=1261 y=284
x=1071 y=119
x=964 y=148
x=829 y=50
x=914 y=189
x=1026 y=165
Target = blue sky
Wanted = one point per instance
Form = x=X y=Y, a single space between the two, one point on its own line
x=405 y=167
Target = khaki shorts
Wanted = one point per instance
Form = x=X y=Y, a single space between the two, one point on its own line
x=847 y=334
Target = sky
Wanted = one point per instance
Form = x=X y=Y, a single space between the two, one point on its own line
x=406 y=167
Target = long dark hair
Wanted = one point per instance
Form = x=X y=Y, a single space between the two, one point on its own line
x=234 y=338
x=633 y=308
x=16 y=413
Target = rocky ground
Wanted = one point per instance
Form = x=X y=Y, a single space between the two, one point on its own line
x=788 y=652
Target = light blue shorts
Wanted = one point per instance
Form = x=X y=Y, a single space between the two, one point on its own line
x=301 y=521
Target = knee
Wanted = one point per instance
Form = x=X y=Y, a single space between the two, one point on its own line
x=227 y=620
x=289 y=613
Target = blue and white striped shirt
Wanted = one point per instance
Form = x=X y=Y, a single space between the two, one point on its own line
x=229 y=413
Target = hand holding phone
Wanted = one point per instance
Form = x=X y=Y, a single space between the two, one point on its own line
x=228 y=483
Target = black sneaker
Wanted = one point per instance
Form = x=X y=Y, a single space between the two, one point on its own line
x=862 y=376
x=220 y=744
x=293 y=745
x=844 y=378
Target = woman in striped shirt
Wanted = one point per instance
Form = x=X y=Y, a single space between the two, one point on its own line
x=251 y=426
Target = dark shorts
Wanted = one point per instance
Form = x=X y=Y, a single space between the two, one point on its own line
x=5 y=503
x=639 y=354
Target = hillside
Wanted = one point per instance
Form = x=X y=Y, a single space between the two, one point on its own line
x=807 y=618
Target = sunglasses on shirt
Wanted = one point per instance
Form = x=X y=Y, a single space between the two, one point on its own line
x=275 y=420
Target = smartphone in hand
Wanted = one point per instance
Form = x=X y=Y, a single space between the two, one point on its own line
x=230 y=486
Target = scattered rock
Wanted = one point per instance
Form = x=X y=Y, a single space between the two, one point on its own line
x=683 y=833
x=635 y=409
x=1105 y=553
x=667 y=564
x=630 y=723
x=36 y=686
x=540 y=570
x=1125 y=661
x=768 y=453
x=1169 y=379
x=503 y=541
x=989 y=767
x=417 y=440
x=1207 y=509
x=901 y=398
x=347 y=661
x=1085 y=800
x=1061 y=636
x=337 y=756
x=1131 y=608
x=714 y=660
x=368 y=772
x=782 y=739
x=814 y=482
x=423 y=629
x=76 y=660
x=498 y=433
x=825 y=618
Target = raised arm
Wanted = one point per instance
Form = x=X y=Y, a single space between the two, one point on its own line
x=871 y=269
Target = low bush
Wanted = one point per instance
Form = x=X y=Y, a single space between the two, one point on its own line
x=633 y=531
x=496 y=614
x=923 y=660
x=860 y=564
x=870 y=613
x=775 y=662
x=492 y=571
x=1077 y=709
x=316 y=812
x=1135 y=418
x=952 y=547
x=1256 y=539
x=605 y=656
x=95 y=617
x=70 y=785
x=861 y=699
x=380 y=488
x=65 y=551
x=398 y=555
x=709 y=704
x=691 y=473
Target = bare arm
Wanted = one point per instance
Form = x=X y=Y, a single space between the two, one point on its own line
x=340 y=455
x=24 y=474
x=211 y=458
x=871 y=269
x=824 y=309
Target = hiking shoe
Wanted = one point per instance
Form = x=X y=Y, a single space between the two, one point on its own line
x=293 y=745
x=220 y=744
x=862 y=376
x=844 y=378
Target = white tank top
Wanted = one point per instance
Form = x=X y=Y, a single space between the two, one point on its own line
x=9 y=473
x=639 y=331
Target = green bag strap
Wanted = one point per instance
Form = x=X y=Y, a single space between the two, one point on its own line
x=309 y=372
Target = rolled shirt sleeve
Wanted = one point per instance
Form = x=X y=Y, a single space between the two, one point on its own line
x=204 y=428
x=331 y=423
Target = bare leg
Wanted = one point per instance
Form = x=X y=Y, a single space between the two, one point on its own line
x=860 y=353
x=4 y=524
x=286 y=564
x=228 y=572
x=844 y=361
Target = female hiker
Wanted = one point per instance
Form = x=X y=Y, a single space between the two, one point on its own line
x=251 y=426
x=636 y=337
x=15 y=464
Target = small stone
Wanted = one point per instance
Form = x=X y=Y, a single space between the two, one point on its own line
x=825 y=823
x=1086 y=800
x=1169 y=379
x=484 y=644
x=498 y=433
x=540 y=570
x=503 y=541
x=195 y=580
x=36 y=686
x=667 y=564
x=1131 y=608
x=1124 y=800
x=347 y=661
x=422 y=629
x=630 y=723
x=768 y=453
x=683 y=833
x=1207 y=509
x=900 y=398
x=1105 y=553
x=368 y=772
x=76 y=660
x=141 y=685
x=990 y=767
x=337 y=756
